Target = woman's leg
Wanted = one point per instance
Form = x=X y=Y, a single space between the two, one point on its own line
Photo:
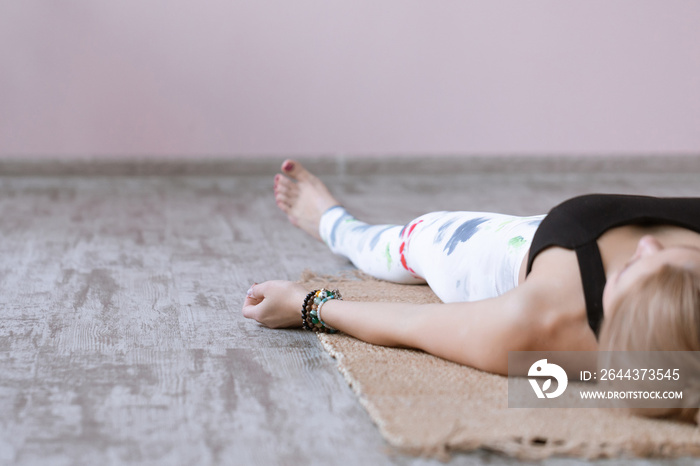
x=378 y=250
x=463 y=256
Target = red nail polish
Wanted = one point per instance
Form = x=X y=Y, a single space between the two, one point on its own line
x=289 y=166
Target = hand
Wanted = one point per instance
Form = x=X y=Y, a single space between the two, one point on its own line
x=275 y=304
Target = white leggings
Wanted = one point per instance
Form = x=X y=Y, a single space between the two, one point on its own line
x=462 y=256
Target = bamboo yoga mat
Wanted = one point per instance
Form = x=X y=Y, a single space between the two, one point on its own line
x=427 y=406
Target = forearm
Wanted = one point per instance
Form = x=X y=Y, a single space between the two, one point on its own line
x=379 y=323
x=477 y=334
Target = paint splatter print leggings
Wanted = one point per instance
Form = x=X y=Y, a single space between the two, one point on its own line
x=462 y=256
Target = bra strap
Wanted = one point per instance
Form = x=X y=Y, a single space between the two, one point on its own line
x=593 y=279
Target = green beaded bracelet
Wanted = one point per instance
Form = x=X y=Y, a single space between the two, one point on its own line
x=320 y=305
x=311 y=310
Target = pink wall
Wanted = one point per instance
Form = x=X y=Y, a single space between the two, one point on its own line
x=226 y=77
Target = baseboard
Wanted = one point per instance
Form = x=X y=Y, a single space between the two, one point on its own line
x=350 y=165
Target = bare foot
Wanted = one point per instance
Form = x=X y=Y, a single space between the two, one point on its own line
x=302 y=196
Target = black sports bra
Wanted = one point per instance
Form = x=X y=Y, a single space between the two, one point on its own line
x=576 y=224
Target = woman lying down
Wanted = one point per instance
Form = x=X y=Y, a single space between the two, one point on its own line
x=598 y=272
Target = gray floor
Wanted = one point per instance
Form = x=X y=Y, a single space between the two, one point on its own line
x=121 y=339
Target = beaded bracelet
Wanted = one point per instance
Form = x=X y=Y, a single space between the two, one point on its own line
x=311 y=310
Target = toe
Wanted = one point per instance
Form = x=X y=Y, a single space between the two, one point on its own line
x=283 y=202
x=279 y=184
x=288 y=165
x=286 y=187
x=282 y=182
x=294 y=169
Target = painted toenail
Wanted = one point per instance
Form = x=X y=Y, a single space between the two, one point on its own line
x=289 y=166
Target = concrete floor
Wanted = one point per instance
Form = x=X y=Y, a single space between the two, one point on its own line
x=121 y=339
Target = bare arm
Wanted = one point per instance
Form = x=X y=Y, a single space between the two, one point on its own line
x=478 y=334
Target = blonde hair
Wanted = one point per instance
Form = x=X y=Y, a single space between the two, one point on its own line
x=658 y=313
